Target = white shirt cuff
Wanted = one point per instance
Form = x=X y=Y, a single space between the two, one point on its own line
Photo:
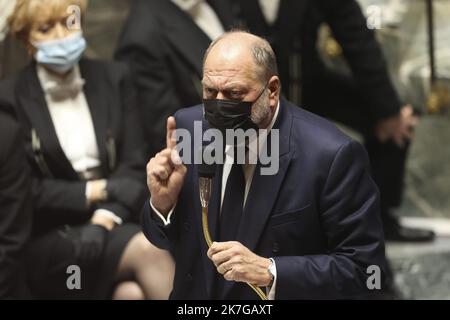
x=88 y=189
x=271 y=290
x=166 y=221
x=117 y=220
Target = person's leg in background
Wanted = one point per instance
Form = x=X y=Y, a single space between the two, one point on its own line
x=388 y=170
x=145 y=272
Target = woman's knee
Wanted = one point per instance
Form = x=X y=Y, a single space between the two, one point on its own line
x=128 y=290
x=148 y=251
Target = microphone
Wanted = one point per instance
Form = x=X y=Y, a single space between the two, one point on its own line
x=206 y=173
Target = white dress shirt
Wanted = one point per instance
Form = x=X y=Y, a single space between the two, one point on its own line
x=73 y=123
x=249 y=170
x=203 y=16
x=71 y=118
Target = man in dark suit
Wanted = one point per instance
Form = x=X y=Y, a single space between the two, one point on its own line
x=310 y=230
x=163 y=42
x=365 y=100
x=15 y=208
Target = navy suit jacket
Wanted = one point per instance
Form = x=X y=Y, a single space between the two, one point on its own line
x=318 y=217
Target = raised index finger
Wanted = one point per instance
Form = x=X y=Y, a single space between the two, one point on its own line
x=171 y=141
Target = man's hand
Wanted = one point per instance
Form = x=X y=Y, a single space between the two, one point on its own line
x=398 y=128
x=165 y=173
x=237 y=263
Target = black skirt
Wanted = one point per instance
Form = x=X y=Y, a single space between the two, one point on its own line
x=51 y=261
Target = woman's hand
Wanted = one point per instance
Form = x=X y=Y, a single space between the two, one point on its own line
x=103 y=220
x=96 y=191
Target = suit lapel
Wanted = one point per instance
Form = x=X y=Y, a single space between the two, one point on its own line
x=258 y=208
x=31 y=97
x=97 y=99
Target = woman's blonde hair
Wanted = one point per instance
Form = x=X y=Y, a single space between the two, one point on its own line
x=25 y=14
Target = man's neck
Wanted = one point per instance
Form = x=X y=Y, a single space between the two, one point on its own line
x=270 y=121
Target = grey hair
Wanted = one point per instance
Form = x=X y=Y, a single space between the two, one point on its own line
x=262 y=52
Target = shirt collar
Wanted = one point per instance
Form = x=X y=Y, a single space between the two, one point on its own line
x=60 y=88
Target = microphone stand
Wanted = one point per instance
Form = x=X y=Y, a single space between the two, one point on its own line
x=205 y=195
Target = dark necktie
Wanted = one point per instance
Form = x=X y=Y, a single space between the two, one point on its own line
x=233 y=204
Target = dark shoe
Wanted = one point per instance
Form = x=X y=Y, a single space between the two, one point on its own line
x=397 y=232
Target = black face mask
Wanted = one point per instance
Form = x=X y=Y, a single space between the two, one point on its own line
x=230 y=114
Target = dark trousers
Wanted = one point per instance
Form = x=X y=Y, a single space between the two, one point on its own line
x=337 y=97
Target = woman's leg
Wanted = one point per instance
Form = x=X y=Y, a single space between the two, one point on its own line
x=151 y=268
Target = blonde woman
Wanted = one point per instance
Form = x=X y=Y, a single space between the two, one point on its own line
x=83 y=142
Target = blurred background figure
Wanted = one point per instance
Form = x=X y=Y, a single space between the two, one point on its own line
x=163 y=42
x=6 y=8
x=84 y=145
x=363 y=99
x=12 y=54
x=15 y=208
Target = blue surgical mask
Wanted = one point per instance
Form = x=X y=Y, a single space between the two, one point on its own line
x=61 y=55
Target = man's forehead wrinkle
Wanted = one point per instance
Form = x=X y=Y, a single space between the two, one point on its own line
x=228 y=75
x=221 y=71
x=227 y=82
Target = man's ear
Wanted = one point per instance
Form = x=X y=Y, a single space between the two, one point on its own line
x=274 y=86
